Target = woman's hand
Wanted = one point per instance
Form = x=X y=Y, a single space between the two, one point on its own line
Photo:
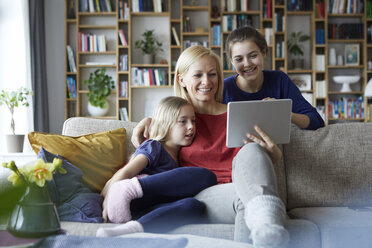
x=142 y=129
x=266 y=142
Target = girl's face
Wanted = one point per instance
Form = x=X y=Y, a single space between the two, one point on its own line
x=201 y=80
x=247 y=59
x=182 y=132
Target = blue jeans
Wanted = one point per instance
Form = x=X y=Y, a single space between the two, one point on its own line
x=168 y=201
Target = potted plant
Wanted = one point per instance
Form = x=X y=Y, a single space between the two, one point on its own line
x=12 y=100
x=296 y=49
x=99 y=86
x=149 y=46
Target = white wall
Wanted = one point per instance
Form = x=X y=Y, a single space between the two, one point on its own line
x=55 y=60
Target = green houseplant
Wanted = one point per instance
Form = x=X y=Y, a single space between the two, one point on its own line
x=149 y=45
x=295 y=48
x=14 y=99
x=99 y=85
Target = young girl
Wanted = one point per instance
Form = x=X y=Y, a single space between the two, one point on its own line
x=247 y=49
x=151 y=186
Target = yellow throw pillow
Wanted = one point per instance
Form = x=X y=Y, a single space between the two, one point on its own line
x=98 y=155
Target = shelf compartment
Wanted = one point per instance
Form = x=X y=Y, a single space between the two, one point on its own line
x=96 y=27
x=112 y=13
x=150 y=65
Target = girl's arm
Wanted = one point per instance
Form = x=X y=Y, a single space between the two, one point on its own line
x=132 y=169
x=301 y=120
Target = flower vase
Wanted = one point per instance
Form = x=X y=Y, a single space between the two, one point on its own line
x=35 y=215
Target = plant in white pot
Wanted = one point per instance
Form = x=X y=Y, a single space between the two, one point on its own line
x=99 y=85
x=296 y=49
x=13 y=99
x=149 y=46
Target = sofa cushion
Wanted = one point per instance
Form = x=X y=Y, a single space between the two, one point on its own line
x=98 y=155
x=74 y=201
x=340 y=227
x=331 y=166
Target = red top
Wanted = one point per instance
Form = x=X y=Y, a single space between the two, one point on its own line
x=209 y=147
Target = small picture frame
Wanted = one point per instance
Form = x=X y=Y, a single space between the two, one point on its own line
x=352 y=54
x=302 y=81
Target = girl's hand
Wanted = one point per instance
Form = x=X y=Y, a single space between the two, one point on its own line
x=268 y=98
x=142 y=129
x=266 y=142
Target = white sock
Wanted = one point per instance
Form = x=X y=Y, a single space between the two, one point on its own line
x=265 y=216
x=127 y=228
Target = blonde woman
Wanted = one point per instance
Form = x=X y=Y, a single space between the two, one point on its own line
x=151 y=186
x=256 y=204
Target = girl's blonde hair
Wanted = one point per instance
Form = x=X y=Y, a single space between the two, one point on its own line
x=186 y=59
x=165 y=116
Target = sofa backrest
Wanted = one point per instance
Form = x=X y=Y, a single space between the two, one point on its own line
x=331 y=166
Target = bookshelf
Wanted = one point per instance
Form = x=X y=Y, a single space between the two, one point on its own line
x=208 y=22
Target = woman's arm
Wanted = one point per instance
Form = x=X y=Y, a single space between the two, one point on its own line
x=142 y=129
x=266 y=142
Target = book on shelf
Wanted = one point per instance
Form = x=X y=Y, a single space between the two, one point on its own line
x=91 y=42
x=123 y=9
x=123 y=62
x=269 y=36
x=175 y=36
x=71 y=59
x=346 y=107
x=320 y=62
x=95 y=6
x=124 y=114
x=71 y=87
x=123 y=38
x=320 y=88
x=123 y=89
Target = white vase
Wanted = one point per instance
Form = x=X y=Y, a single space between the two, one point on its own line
x=97 y=111
x=15 y=142
x=332 y=56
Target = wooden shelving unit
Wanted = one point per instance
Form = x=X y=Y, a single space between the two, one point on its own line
x=263 y=15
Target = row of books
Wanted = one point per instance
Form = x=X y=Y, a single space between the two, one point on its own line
x=346 y=107
x=320 y=89
x=71 y=59
x=236 y=5
x=95 y=6
x=320 y=62
x=71 y=87
x=299 y=5
x=280 y=49
x=123 y=112
x=122 y=37
x=149 y=76
x=91 y=42
x=345 y=31
x=226 y=63
x=369 y=34
x=267 y=9
x=320 y=9
x=216 y=35
x=269 y=32
x=346 y=6
x=123 y=62
x=123 y=10
x=186 y=24
x=369 y=9
x=279 y=21
x=175 y=39
x=123 y=89
x=319 y=36
x=147 y=6
x=231 y=22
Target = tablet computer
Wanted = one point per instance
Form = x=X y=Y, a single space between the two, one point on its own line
x=273 y=116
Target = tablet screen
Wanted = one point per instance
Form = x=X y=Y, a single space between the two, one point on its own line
x=273 y=116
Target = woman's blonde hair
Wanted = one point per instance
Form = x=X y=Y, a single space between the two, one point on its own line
x=186 y=59
x=165 y=116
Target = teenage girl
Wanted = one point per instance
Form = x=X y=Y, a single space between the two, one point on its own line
x=151 y=186
x=247 y=48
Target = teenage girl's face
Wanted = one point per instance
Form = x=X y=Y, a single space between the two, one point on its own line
x=201 y=80
x=183 y=131
x=248 y=60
